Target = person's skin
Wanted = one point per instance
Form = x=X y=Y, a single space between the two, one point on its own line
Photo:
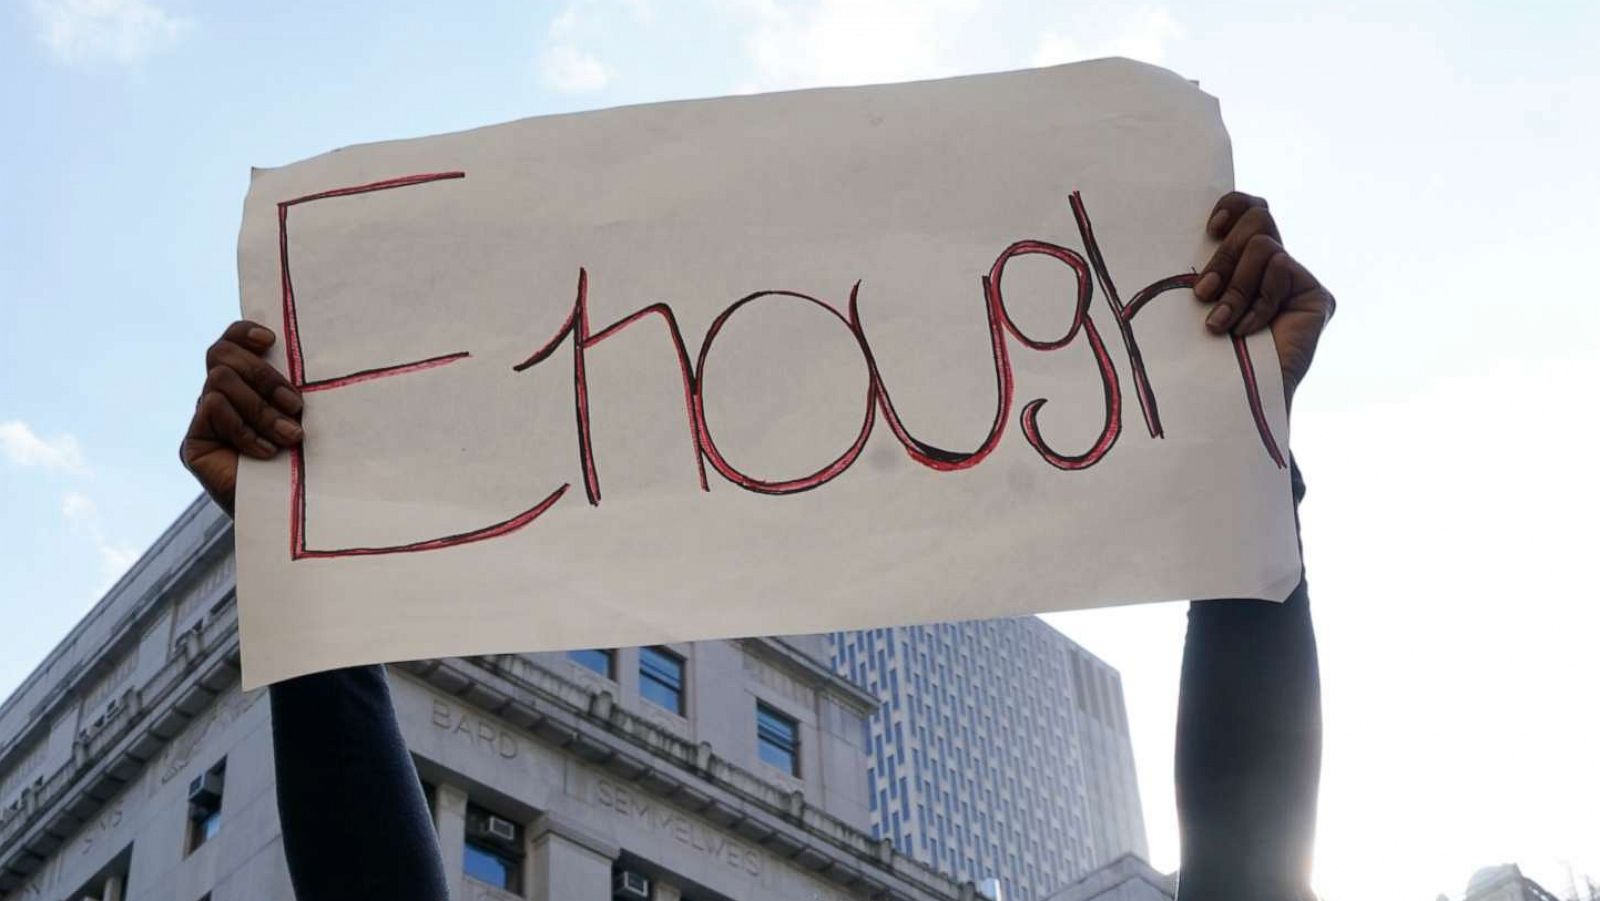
x=1251 y=283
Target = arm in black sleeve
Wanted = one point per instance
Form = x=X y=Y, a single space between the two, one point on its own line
x=355 y=823
x=1249 y=749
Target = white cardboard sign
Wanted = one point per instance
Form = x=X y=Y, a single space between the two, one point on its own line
x=798 y=362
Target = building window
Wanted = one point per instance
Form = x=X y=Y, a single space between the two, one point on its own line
x=661 y=678
x=603 y=661
x=205 y=806
x=778 y=739
x=492 y=867
x=492 y=853
x=111 y=882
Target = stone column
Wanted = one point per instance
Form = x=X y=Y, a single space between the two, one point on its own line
x=568 y=863
x=661 y=891
x=113 y=889
x=450 y=819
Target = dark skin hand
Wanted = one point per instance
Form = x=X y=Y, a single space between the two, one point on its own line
x=1254 y=283
x=249 y=408
x=246 y=407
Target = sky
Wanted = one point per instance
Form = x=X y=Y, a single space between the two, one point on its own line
x=1432 y=162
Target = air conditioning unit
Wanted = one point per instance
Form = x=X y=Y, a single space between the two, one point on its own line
x=206 y=790
x=502 y=829
x=630 y=885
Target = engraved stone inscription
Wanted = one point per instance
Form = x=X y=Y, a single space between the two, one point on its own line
x=106 y=822
x=661 y=818
x=481 y=733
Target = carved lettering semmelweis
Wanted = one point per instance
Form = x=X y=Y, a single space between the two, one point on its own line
x=661 y=818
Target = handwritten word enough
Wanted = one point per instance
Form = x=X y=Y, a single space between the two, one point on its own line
x=879 y=401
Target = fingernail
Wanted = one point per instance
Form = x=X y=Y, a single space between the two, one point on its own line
x=287 y=430
x=1218 y=318
x=267 y=447
x=259 y=335
x=287 y=401
x=1219 y=220
x=1207 y=285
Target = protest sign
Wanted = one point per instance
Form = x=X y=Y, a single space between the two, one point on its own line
x=797 y=362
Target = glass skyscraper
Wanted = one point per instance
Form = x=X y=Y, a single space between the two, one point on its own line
x=1000 y=751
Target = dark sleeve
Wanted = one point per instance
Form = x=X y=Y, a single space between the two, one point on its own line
x=1249 y=747
x=355 y=823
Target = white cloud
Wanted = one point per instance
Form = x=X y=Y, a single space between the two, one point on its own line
x=80 y=509
x=116 y=559
x=832 y=42
x=568 y=58
x=565 y=23
x=1142 y=34
x=806 y=43
x=572 y=71
x=22 y=446
x=122 y=31
x=591 y=17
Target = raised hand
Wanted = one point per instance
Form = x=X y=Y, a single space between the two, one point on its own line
x=1254 y=284
x=246 y=407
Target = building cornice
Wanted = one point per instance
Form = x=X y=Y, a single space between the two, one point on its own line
x=811 y=672
x=145 y=589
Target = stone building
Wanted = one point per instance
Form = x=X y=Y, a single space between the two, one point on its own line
x=1504 y=882
x=1128 y=878
x=133 y=767
x=1000 y=751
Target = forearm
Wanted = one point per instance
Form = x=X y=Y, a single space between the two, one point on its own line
x=1249 y=749
x=355 y=823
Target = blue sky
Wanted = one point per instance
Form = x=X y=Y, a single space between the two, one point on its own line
x=1434 y=163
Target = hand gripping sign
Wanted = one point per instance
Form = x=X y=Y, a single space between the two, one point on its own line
x=788 y=363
